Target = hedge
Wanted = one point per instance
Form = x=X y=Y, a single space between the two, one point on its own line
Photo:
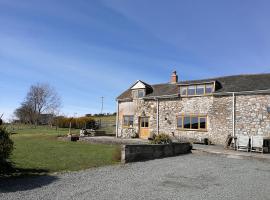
x=80 y=122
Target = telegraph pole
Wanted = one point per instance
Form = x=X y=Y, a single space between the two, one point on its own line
x=102 y=100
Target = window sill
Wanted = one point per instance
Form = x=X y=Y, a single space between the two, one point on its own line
x=127 y=127
x=199 y=130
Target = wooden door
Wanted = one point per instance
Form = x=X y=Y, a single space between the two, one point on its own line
x=144 y=127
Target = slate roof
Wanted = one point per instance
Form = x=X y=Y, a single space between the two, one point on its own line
x=236 y=83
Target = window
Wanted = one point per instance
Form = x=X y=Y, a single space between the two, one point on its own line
x=186 y=122
x=183 y=91
x=200 y=89
x=135 y=94
x=192 y=90
x=128 y=120
x=144 y=122
x=208 y=89
x=192 y=122
x=138 y=93
x=202 y=122
x=179 y=122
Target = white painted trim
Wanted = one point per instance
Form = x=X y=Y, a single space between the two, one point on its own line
x=138 y=85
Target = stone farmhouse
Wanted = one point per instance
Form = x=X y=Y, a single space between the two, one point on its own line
x=211 y=108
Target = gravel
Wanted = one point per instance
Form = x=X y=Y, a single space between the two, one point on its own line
x=192 y=176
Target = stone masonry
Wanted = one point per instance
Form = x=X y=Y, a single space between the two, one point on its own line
x=251 y=116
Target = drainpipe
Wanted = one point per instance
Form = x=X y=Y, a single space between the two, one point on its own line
x=117 y=118
x=233 y=114
x=157 y=116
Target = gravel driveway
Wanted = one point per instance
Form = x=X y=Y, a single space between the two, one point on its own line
x=192 y=176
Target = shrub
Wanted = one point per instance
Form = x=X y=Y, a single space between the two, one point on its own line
x=161 y=139
x=6 y=145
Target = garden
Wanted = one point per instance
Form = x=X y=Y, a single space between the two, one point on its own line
x=38 y=151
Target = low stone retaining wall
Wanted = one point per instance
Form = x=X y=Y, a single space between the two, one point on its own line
x=139 y=152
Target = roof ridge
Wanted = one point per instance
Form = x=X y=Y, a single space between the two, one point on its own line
x=162 y=84
x=227 y=76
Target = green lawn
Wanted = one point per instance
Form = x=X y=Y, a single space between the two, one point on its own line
x=39 y=150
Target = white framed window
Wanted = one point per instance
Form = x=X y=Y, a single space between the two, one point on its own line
x=128 y=120
x=139 y=93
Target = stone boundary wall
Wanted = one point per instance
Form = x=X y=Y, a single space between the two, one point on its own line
x=140 y=152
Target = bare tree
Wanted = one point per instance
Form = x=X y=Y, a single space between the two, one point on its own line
x=1 y=121
x=40 y=99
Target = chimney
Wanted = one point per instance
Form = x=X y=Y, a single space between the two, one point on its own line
x=174 y=78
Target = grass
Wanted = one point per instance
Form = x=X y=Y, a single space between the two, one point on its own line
x=39 y=151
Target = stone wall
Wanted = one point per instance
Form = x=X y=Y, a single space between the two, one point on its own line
x=217 y=109
x=139 y=152
x=251 y=116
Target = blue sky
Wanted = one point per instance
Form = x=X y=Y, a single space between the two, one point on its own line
x=88 y=49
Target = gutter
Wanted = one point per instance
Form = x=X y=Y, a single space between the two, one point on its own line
x=244 y=92
x=152 y=97
x=125 y=99
x=157 y=115
x=233 y=114
x=163 y=96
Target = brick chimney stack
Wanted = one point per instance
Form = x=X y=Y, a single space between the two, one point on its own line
x=174 y=78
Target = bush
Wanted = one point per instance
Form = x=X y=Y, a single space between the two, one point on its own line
x=6 y=145
x=161 y=139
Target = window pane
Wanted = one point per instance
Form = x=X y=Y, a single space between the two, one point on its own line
x=131 y=120
x=140 y=93
x=135 y=94
x=208 y=88
x=183 y=91
x=125 y=121
x=200 y=89
x=128 y=120
x=187 y=122
x=142 y=122
x=179 y=122
x=191 y=90
x=194 y=123
x=203 y=123
x=146 y=122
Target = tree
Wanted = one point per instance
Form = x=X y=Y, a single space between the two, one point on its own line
x=25 y=113
x=6 y=145
x=1 y=121
x=40 y=99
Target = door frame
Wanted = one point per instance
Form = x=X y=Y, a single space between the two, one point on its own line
x=144 y=128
